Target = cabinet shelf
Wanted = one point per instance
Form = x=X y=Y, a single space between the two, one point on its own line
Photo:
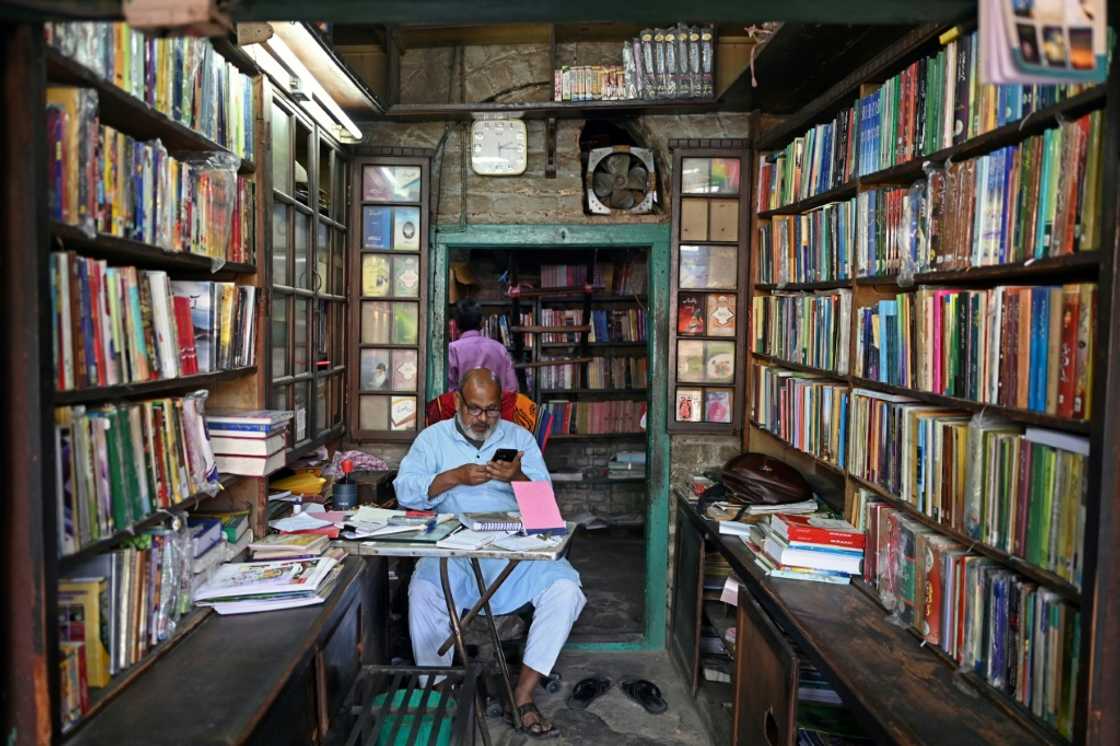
x=549 y=329
x=69 y=561
x=553 y=363
x=144 y=388
x=136 y=253
x=123 y=111
x=628 y=393
x=596 y=436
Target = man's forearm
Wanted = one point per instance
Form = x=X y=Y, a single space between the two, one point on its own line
x=443 y=482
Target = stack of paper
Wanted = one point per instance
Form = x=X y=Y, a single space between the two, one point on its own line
x=244 y=587
x=288 y=546
x=467 y=539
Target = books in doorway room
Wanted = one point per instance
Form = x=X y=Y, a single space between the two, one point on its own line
x=807 y=547
x=250 y=443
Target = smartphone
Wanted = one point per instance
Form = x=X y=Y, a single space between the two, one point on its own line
x=505 y=454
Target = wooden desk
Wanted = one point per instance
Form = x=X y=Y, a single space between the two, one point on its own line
x=271 y=678
x=900 y=692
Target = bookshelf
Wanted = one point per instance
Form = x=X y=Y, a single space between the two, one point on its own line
x=111 y=245
x=1091 y=263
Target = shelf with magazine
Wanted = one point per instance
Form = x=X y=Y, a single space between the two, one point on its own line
x=119 y=62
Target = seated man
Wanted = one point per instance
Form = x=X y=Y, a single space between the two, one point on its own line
x=449 y=469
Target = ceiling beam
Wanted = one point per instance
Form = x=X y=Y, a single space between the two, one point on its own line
x=473 y=12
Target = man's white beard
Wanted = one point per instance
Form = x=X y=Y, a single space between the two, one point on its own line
x=485 y=436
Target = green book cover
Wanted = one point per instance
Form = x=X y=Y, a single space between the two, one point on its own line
x=1034 y=521
x=131 y=476
x=1049 y=459
x=120 y=502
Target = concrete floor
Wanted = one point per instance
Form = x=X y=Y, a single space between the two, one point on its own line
x=611 y=565
x=614 y=719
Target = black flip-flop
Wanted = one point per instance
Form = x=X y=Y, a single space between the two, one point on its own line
x=587 y=691
x=646 y=694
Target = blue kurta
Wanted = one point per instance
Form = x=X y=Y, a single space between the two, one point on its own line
x=442 y=447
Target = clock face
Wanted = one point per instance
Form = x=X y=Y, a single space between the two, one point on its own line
x=498 y=147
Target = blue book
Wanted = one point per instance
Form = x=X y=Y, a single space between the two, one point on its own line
x=1005 y=200
x=377 y=227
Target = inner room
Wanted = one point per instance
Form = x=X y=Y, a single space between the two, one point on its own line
x=605 y=374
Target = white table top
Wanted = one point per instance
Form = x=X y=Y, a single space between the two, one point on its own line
x=549 y=551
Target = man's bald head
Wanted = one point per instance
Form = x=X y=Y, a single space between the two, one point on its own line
x=480 y=385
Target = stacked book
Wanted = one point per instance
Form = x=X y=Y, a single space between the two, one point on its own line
x=250 y=443
x=808 y=412
x=815 y=246
x=588 y=418
x=289 y=546
x=216 y=539
x=627 y=465
x=807 y=547
x=620 y=372
x=244 y=587
x=618 y=326
x=805 y=328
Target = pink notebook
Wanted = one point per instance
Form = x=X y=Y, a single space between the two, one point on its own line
x=539 y=512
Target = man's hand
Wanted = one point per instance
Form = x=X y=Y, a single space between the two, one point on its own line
x=506 y=471
x=467 y=475
x=471 y=475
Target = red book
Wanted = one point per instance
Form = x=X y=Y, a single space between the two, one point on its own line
x=188 y=354
x=96 y=289
x=1067 y=355
x=814 y=530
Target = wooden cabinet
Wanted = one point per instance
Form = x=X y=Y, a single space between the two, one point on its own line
x=766 y=675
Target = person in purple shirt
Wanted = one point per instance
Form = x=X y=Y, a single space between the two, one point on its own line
x=473 y=350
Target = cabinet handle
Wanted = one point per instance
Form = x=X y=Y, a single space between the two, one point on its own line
x=770 y=728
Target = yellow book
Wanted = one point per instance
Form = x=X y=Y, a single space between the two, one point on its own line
x=92 y=594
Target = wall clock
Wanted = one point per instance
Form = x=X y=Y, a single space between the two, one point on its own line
x=498 y=147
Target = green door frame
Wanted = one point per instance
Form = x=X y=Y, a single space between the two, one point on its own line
x=655 y=238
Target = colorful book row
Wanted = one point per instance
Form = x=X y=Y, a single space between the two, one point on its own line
x=588 y=418
x=116 y=608
x=1019 y=491
x=114 y=325
x=1021 y=639
x=815 y=246
x=182 y=77
x=1028 y=348
x=1036 y=199
x=107 y=182
x=116 y=463
x=808 y=413
x=808 y=329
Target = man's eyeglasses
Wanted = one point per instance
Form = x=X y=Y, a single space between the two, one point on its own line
x=490 y=412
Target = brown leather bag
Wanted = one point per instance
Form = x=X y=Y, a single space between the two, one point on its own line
x=757 y=478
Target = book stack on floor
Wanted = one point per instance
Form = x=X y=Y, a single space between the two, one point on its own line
x=114 y=609
x=807 y=547
x=1019 y=637
x=245 y=587
x=250 y=443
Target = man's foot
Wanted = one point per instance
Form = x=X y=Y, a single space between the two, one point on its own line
x=533 y=723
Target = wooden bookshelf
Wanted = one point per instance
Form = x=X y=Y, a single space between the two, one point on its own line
x=147 y=388
x=1098 y=680
x=138 y=254
x=596 y=436
x=123 y=111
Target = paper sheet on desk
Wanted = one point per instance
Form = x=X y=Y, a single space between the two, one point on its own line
x=299 y=522
x=364 y=530
x=467 y=539
x=515 y=543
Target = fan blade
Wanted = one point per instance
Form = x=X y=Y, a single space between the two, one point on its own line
x=622 y=199
x=602 y=184
x=618 y=164
x=638 y=179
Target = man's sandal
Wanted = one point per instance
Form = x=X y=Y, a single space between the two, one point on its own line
x=539 y=728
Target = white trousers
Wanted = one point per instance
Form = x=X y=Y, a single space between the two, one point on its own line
x=555 y=610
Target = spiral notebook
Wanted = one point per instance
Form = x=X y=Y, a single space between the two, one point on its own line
x=495 y=521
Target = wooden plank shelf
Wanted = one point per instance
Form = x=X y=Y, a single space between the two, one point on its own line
x=1058 y=584
x=1084 y=266
x=123 y=111
x=842 y=192
x=898 y=689
x=549 y=329
x=1018 y=415
x=1040 y=419
x=136 y=253
x=596 y=436
x=549 y=109
x=826 y=465
x=554 y=363
x=598 y=345
x=595 y=392
x=596 y=481
x=797 y=286
x=99 y=698
x=146 y=388
x=69 y=561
